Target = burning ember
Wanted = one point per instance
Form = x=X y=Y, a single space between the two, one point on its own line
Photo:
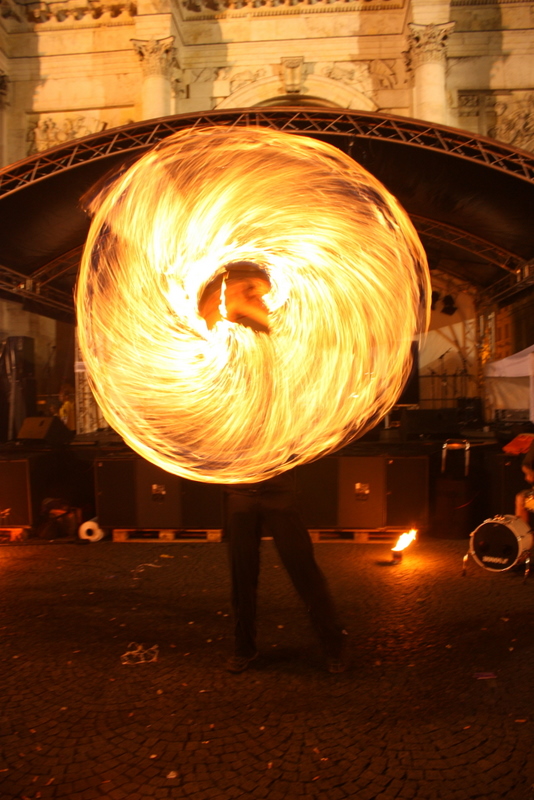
x=402 y=543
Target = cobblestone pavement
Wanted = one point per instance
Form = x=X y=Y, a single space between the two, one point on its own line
x=437 y=702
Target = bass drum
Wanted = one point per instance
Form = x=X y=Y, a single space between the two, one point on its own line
x=500 y=543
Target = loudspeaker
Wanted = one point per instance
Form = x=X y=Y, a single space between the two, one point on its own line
x=18 y=357
x=365 y=492
x=317 y=492
x=49 y=430
x=503 y=480
x=24 y=484
x=383 y=491
x=470 y=411
x=15 y=497
x=410 y=393
x=133 y=493
x=456 y=508
x=429 y=423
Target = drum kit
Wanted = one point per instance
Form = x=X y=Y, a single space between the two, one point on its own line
x=501 y=543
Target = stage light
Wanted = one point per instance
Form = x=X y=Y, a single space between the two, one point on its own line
x=346 y=289
x=448 y=306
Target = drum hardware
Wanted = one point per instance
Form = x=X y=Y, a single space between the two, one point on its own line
x=455 y=444
x=499 y=544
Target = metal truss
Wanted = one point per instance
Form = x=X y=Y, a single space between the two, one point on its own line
x=507 y=288
x=63 y=265
x=26 y=288
x=486 y=251
x=312 y=122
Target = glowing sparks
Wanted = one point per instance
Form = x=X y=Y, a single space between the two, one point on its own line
x=404 y=540
x=321 y=350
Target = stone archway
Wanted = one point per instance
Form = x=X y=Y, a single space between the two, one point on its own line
x=322 y=90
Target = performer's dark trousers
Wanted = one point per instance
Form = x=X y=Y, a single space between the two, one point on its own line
x=247 y=515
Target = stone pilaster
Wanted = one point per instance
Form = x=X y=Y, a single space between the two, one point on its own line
x=426 y=58
x=158 y=57
x=4 y=85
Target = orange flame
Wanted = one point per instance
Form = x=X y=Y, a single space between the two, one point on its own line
x=348 y=290
x=404 y=540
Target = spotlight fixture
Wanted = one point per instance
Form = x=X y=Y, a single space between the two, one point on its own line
x=448 y=306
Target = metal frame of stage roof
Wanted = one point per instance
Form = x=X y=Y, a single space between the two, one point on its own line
x=451 y=141
x=347 y=127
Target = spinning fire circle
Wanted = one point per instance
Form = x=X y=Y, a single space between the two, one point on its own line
x=246 y=302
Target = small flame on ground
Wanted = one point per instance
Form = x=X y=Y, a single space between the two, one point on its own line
x=404 y=540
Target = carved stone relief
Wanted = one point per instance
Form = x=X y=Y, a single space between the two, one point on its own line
x=203 y=75
x=355 y=74
x=293 y=73
x=427 y=43
x=245 y=77
x=383 y=74
x=515 y=120
x=505 y=115
x=157 y=56
x=72 y=10
x=48 y=132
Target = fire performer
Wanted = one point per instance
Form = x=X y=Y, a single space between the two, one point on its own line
x=247 y=301
x=524 y=501
x=238 y=296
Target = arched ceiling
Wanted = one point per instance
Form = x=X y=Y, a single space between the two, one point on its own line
x=471 y=198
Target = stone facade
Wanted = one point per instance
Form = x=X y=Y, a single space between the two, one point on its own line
x=69 y=68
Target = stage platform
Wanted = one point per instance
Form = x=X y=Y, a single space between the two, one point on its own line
x=370 y=486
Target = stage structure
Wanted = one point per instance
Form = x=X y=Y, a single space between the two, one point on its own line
x=471 y=198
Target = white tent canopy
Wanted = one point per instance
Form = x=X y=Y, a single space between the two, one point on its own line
x=510 y=382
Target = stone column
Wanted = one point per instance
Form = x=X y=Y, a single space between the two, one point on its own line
x=157 y=59
x=426 y=57
x=4 y=83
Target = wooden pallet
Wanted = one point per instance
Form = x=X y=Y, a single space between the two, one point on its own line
x=13 y=534
x=136 y=535
x=357 y=536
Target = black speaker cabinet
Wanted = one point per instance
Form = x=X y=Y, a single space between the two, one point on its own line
x=365 y=492
x=48 y=430
x=15 y=496
x=24 y=484
x=317 y=492
x=133 y=493
x=503 y=480
x=383 y=491
x=18 y=356
x=429 y=423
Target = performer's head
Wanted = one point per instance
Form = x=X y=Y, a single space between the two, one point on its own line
x=528 y=464
x=238 y=295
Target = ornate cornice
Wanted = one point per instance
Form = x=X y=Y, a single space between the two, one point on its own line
x=8 y=8
x=73 y=11
x=157 y=56
x=427 y=43
x=209 y=9
x=490 y=2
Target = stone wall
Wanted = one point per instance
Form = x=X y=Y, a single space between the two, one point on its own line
x=70 y=68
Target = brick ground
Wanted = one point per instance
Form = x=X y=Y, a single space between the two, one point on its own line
x=408 y=720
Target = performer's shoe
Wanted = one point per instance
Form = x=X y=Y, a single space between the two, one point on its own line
x=340 y=661
x=240 y=663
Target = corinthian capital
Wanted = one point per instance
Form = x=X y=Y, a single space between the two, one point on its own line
x=157 y=55
x=427 y=43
